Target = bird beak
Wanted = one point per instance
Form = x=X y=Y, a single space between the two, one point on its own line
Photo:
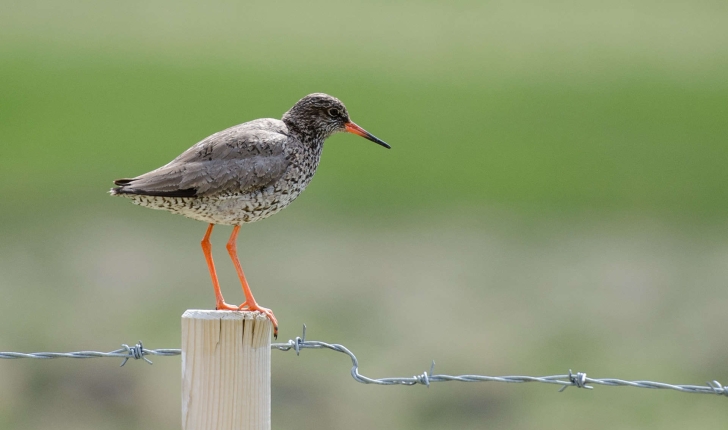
x=355 y=129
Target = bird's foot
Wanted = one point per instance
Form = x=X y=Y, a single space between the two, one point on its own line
x=222 y=306
x=265 y=311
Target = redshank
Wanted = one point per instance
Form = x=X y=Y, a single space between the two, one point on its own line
x=244 y=174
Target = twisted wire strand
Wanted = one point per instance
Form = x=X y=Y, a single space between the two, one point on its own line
x=126 y=352
x=579 y=379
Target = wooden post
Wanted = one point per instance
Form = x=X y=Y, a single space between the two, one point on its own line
x=225 y=370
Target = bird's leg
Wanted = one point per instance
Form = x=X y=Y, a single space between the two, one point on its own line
x=207 y=250
x=250 y=303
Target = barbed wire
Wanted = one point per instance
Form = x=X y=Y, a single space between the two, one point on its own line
x=578 y=379
x=126 y=352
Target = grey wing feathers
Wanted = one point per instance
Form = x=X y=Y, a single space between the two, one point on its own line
x=240 y=159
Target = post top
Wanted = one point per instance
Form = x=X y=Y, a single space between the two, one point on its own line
x=201 y=314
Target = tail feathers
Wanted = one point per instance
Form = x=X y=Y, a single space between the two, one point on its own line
x=126 y=186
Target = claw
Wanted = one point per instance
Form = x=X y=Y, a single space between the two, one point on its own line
x=265 y=311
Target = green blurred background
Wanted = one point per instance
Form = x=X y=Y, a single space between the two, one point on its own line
x=556 y=197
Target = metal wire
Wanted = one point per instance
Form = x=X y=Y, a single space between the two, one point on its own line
x=579 y=379
x=126 y=352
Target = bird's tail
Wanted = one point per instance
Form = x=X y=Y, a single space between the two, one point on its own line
x=132 y=187
x=121 y=189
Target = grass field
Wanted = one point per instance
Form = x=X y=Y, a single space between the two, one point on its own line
x=555 y=198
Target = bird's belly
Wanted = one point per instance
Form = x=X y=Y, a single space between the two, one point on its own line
x=228 y=208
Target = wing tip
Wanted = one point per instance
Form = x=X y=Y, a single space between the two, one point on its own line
x=122 y=182
x=120 y=189
x=125 y=186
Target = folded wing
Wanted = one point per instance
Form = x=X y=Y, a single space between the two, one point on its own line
x=240 y=159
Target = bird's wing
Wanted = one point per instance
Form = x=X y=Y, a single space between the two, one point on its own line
x=240 y=159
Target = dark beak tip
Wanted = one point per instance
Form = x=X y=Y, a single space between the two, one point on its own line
x=379 y=142
x=351 y=127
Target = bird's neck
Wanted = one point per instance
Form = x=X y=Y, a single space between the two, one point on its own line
x=310 y=136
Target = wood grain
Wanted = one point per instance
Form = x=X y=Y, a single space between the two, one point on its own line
x=225 y=370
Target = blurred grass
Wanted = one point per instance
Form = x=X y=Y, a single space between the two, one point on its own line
x=555 y=197
x=637 y=144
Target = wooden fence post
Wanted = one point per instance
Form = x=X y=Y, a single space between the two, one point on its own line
x=225 y=370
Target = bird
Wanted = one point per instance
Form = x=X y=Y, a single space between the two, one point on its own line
x=244 y=174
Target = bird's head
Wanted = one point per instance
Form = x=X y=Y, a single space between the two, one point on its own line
x=320 y=115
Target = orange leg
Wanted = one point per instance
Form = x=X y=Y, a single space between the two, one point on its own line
x=207 y=249
x=250 y=303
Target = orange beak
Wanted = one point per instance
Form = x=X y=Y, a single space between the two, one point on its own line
x=355 y=129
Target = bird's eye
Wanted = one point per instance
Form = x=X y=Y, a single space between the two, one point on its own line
x=333 y=112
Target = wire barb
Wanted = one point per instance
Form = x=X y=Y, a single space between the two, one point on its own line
x=136 y=352
x=718 y=389
x=579 y=380
x=424 y=379
x=300 y=340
